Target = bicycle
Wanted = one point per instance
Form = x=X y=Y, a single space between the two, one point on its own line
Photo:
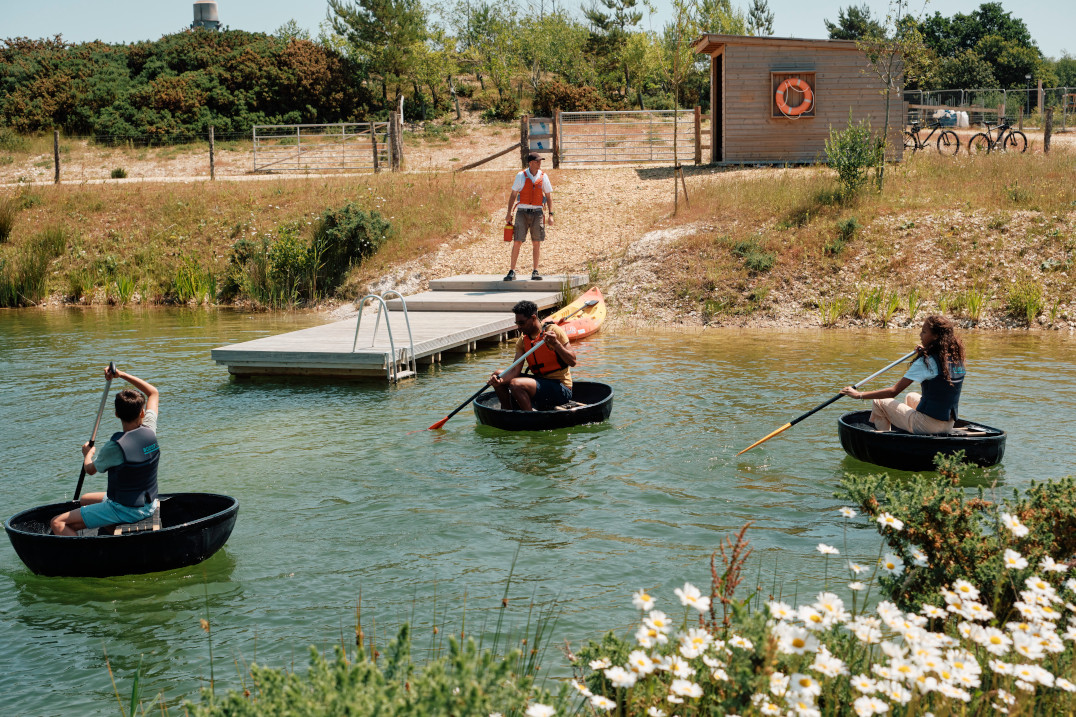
x=948 y=142
x=1013 y=139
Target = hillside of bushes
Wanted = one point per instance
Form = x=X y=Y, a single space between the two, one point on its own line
x=180 y=84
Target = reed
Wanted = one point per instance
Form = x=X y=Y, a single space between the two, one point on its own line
x=915 y=303
x=868 y=301
x=9 y=210
x=125 y=288
x=888 y=307
x=193 y=283
x=1025 y=300
x=975 y=301
x=831 y=311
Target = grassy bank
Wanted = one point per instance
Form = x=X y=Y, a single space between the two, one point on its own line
x=975 y=236
x=143 y=242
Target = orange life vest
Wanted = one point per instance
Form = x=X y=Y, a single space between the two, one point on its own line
x=544 y=360
x=532 y=190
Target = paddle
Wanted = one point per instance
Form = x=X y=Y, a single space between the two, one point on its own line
x=515 y=363
x=96 y=424
x=820 y=406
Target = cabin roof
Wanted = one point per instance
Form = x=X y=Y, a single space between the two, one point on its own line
x=708 y=43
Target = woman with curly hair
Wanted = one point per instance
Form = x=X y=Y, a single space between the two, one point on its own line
x=939 y=368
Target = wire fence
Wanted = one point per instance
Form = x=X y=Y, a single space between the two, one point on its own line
x=986 y=104
x=613 y=137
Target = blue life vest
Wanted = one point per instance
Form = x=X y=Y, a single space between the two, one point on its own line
x=940 y=399
x=133 y=483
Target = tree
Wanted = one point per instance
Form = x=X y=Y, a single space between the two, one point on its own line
x=1065 y=68
x=854 y=23
x=382 y=35
x=611 y=31
x=292 y=30
x=719 y=16
x=760 y=19
x=965 y=70
x=891 y=55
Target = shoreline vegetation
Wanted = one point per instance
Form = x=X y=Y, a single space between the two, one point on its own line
x=967 y=608
x=988 y=240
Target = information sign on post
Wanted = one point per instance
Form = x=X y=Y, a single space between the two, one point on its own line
x=540 y=135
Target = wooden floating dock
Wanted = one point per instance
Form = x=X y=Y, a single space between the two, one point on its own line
x=456 y=315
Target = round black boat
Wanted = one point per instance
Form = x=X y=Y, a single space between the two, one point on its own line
x=592 y=403
x=897 y=449
x=193 y=527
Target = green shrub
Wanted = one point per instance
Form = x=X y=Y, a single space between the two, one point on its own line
x=11 y=141
x=1025 y=300
x=852 y=152
x=557 y=95
x=343 y=238
x=846 y=232
x=467 y=681
x=755 y=258
x=119 y=173
x=505 y=108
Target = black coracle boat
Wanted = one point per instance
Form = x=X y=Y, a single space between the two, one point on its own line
x=592 y=403
x=193 y=527
x=899 y=450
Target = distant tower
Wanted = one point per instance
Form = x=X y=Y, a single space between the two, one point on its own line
x=205 y=15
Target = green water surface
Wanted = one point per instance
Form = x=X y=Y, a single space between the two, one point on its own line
x=342 y=492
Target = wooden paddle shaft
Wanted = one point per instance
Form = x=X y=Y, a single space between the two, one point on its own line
x=96 y=425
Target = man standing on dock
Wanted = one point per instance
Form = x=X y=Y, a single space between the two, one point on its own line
x=533 y=190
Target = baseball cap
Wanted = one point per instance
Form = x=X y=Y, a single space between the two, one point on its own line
x=534 y=156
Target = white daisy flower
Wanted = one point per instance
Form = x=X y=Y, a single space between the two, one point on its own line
x=827 y=549
x=1014 y=560
x=1062 y=683
x=691 y=595
x=892 y=564
x=741 y=642
x=781 y=611
x=890 y=522
x=685 y=688
x=720 y=675
x=655 y=712
x=805 y=684
x=828 y=665
x=581 y=688
x=794 y=640
x=865 y=706
x=642 y=600
x=919 y=558
x=857 y=586
x=539 y=710
x=933 y=612
x=602 y=703
x=1014 y=525
x=848 y=512
x=640 y=663
x=966 y=590
x=864 y=684
x=600 y=664
x=855 y=568
x=657 y=620
x=1050 y=566
x=619 y=677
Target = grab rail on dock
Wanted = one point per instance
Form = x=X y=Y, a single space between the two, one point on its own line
x=392 y=370
x=413 y=362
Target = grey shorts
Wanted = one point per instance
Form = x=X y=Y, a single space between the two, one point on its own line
x=529 y=220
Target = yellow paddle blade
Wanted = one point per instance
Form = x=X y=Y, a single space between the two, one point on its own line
x=782 y=429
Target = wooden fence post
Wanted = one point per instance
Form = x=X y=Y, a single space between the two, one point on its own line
x=556 y=139
x=399 y=138
x=1020 y=118
x=373 y=144
x=212 y=163
x=1041 y=95
x=1048 y=130
x=524 y=139
x=1001 y=113
x=56 y=155
x=698 y=135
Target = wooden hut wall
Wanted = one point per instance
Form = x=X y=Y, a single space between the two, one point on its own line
x=752 y=134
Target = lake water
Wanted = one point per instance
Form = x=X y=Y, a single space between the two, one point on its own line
x=343 y=493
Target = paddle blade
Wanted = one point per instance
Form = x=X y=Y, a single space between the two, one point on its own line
x=782 y=429
x=440 y=423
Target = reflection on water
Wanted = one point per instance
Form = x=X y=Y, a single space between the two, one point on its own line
x=345 y=492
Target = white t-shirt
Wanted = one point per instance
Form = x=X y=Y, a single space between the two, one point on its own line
x=521 y=180
x=922 y=369
x=110 y=455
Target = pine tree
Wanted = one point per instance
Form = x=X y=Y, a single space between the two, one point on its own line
x=760 y=19
x=382 y=34
x=612 y=29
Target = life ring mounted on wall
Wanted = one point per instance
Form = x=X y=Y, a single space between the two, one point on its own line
x=794 y=83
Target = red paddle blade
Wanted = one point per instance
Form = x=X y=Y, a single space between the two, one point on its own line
x=437 y=425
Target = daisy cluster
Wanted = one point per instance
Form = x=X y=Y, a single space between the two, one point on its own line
x=953 y=657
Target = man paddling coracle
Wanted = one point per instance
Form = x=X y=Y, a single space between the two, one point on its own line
x=130 y=457
x=940 y=370
x=550 y=384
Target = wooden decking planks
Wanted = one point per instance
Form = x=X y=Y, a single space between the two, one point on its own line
x=441 y=321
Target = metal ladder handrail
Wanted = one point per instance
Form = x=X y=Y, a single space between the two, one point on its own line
x=391 y=372
x=412 y=363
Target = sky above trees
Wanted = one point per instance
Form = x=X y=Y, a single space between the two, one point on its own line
x=1049 y=21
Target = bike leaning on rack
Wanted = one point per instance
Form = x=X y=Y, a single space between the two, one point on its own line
x=948 y=142
x=1008 y=139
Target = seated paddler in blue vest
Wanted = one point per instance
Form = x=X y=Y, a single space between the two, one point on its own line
x=550 y=381
x=939 y=368
x=130 y=457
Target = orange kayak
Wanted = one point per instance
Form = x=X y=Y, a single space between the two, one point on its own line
x=579 y=320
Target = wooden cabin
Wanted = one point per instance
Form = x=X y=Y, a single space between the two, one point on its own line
x=819 y=81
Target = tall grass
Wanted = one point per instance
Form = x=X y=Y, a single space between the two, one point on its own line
x=1025 y=300
x=975 y=300
x=831 y=311
x=24 y=273
x=915 y=302
x=193 y=283
x=888 y=307
x=9 y=209
x=868 y=301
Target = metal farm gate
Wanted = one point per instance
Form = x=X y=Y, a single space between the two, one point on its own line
x=645 y=136
x=350 y=146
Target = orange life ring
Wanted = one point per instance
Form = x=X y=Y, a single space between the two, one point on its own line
x=796 y=84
